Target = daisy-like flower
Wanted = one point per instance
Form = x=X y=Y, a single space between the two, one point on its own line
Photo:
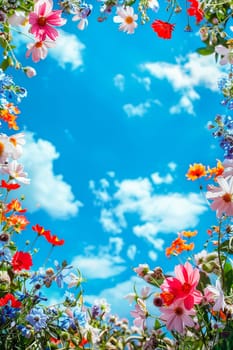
x=43 y=19
x=39 y=50
x=127 y=19
x=17 y=140
x=225 y=53
x=5 y=148
x=37 y=318
x=177 y=317
x=163 y=29
x=15 y=170
x=222 y=196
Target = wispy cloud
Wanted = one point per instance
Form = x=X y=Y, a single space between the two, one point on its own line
x=47 y=191
x=139 y=110
x=185 y=76
x=145 y=81
x=157 y=212
x=119 y=81
x=107 y=259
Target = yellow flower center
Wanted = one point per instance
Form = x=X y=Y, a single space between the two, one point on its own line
x=227 y=197
x=129 y=20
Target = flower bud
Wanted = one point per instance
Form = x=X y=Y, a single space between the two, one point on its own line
x=30 y=72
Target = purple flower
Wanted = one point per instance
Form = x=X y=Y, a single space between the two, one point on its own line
x=37 y=318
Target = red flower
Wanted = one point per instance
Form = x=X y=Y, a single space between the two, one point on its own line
x=195 y=10
x=54 y=240
x=83 y=342
x=21 y=260
x=9 y=297
x=163 y=29
x=9 y=186
x=40 y=230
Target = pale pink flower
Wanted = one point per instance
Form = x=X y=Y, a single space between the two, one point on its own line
x=228 y=168
x=17 y=140
x=222 y=196
x=142 y=270
x=183 y=286
x=216 y=295
x=139 y=313
x=38 y=50
x=43 y=19
x=15 y=170
x=17 y=19
x=30 y=72
x=6 y=148
x=225 y=53
x=126 y=18
x=177 y=317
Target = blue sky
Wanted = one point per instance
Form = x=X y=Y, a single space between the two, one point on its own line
x=112 y=123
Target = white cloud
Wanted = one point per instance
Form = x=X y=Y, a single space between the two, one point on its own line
x=145 y=81
x=152 y=255
x=156 y=212
x=184 y=76
x=68 y=50
x=172 y=166
x=119 y=82
x=47 y=191
x=131 y=251
x=107 y=260
x=158 y=180
x=139 y=110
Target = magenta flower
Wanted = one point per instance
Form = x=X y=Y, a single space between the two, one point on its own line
x=39 y=50
x=43 y=19
x=222 y=196
x=183 y=286
x=177 y=317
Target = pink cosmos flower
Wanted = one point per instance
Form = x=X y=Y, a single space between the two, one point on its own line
x=183 y=286
x=177 y=317
x=222 y=196
x=39 y=50
x=127 y=19
x=139 y=313
x=43 y=19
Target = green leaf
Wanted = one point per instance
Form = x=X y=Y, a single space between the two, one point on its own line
x=228 y=277
x=205 y=51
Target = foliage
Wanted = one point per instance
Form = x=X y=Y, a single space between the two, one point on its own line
x=192 y=309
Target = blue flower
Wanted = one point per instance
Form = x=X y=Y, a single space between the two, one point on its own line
x=5 y=254
x=37 y=318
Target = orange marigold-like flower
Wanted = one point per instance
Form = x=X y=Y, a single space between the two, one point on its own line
x=189 y=233
x=217 y=171
x=19 y=222
x=178 y=246
x=196 y=171
x=7 y=116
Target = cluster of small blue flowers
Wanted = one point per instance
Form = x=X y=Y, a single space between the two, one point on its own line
x=225 y=85
x=8 y=89
x=224 y=131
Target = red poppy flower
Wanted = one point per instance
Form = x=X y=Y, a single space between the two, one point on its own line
x=83 y=342
x=9 y=186
x=10 y=297
x=195 y=10
x=21 y=260
x=163 y=29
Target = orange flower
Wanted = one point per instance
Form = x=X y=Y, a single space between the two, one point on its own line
x=167 y=298
x=7 y=116
x=189 y=233
x=178 y=246
x=217 y=171
x=19 y=222
x=15 y=205
x=196 y=171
